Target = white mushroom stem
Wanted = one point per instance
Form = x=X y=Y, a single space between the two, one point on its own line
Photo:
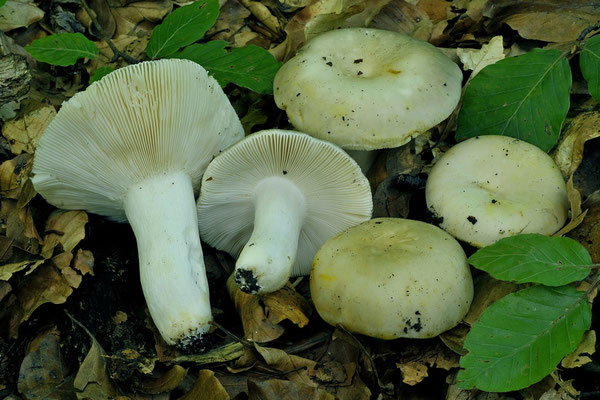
x=265 y=264
x=162 y=213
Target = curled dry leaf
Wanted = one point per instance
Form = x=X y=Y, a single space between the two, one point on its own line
x=261 y=314
x=207 y=387
x=318 y=17
x=64 y=228
x=580 y=356
x=24 y=133
x=547 y=20
x=43 y=373
x=264 y=15
x=569 y=155
x=167 y=382
x=476 y=60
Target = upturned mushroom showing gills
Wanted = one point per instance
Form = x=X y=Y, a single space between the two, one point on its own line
x=273 y=199
x=490 y=187
x=367 y=89
x=133 y=147
x=392 y=278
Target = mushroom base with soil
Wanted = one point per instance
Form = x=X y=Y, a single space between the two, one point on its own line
x=265 y=264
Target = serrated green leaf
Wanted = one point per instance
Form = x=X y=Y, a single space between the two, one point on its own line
x=251 y=67
x=100 y=73
x=589 y=61
x=182 y=27
x=62 y=49
x=521 y=338
x=526 y=97
x=551 y=261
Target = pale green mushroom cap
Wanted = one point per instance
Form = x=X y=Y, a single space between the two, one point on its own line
x=390 y=278
x=490 y=187
x=367 y=89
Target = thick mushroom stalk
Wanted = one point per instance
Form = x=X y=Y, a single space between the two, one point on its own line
x=172 y=269
x=267 y=260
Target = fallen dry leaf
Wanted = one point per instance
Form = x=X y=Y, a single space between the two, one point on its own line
x=547 y=20
x=139 y=18
x=294 y=367
x=455 y=338
x=231 y=20
x=19 y=13
x=24 y=133
x=413 y=372
x=569 y=156
x=318 y=17
x=588 y=232
x=84 y=262
x=476 y=60
x=261 y=314
x=43 y=373
x=277 y=389
x=64 y=228
x=13 y=174
x=580 y=356
x=487 y=291
x=207 y=387
x=92 y=379
x=415 y=368
x=48 y=283
x=167 y=382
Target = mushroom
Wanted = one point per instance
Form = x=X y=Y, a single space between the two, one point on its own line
x=389 y=278
x=490 y=187
x=133 y=147
x=274 y=198
x=367 y=89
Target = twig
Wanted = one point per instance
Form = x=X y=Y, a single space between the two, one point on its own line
x=312 y=342
x=245 y=342
x=587 y=30
x=103 y=36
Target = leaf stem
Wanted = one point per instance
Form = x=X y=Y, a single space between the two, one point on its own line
x=117 y=53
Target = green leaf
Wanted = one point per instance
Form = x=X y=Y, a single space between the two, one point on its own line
x=100 y=73
x=521 y=338
x=182 y=27
x=2 y=2
x=62 y=49
x=551 y=261
x=589 y=61
x=526 y=97
x=251 y=67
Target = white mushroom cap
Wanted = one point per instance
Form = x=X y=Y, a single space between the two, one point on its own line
x=133 y=146
x=137 y=122
x=490 y=187
x=366 y=89
x=390 y=278
x=275 y=197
